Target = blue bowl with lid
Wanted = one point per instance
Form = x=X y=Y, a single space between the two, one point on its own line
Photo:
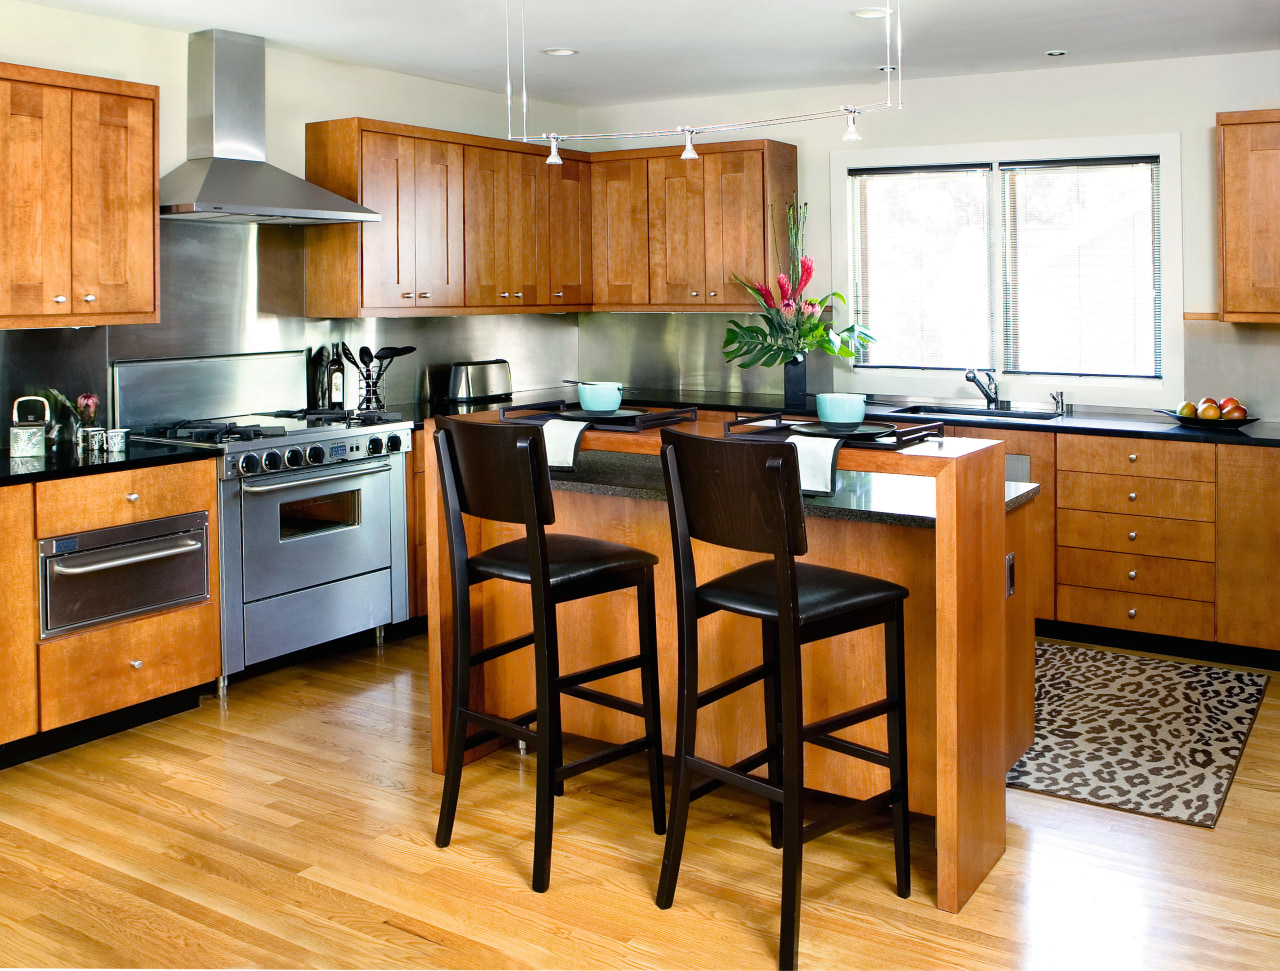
x=600 y=396
x=840 y=410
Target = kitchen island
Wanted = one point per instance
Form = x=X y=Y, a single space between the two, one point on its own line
x=970 y=681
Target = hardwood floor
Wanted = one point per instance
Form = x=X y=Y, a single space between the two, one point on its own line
x=292 y=827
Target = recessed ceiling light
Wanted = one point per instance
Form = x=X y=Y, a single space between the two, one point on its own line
x=871 y=13
x=559 y=51
x=888 y=67
x=1055 y=53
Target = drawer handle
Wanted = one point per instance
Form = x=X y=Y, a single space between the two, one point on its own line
x=60 y=299
x=131 y=496
x=1133 y=535
x=135 y=664
x=1133 y=574
x=1133 y=497
x=425 y=295
x=1132 y=614
x=1133 y=458
x=157 y=553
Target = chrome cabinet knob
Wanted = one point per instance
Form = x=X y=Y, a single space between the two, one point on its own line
x=1133 y=497
x=1132 y=614
x=713 y=294
x=89 y=298
x=1133 y=458
x=425 y=296
x=135 y=664
x=1133 y=574
x=406 y=296
x=504 y=294
x=694 y=293
x=60 y=298
x=131 y=496
x=1133 y=535
x=518 y=293
x=558 y=293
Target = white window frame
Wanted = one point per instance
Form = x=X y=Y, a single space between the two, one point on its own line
x=1163 y=392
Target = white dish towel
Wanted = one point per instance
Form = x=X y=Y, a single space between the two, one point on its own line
x=562 y=438
x=817 y=459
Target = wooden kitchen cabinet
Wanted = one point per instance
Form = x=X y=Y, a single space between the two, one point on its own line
x=677 y=232
x=1249 y=215
x=20 y=630
x=569 y=212
x=1248 y=545
x=78 y=186
x=620 y=232
x=88 y=502
x=507 y=248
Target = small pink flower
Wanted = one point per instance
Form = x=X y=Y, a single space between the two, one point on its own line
x=784 y=287
x=789 y=311
x=810 y=307
x=806 y=273
x=766 y=295
x=87 y=405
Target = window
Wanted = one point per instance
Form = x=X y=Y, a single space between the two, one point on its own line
x=1044 y=262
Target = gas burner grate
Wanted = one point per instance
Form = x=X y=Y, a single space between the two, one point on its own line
x=543 y=411
x=213 y=432
x=337 y=416
x=891 y=441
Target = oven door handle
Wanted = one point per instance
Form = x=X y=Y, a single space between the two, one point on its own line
x=177 y=549
x=299 y=483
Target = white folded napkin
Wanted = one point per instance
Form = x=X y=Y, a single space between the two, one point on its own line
x=562 y=438
x=817 y=459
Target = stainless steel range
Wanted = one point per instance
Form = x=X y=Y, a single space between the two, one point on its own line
x=311 y=504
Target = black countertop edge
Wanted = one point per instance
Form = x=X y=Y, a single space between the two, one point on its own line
x=870 y=497
x=1264 y=433
x=63 y=462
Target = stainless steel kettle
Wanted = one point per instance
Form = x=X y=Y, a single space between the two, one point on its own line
x=26 y=435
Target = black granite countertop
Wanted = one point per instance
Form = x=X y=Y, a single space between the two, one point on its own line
x=869 y=497
x=1125 y=423
x=62 y=462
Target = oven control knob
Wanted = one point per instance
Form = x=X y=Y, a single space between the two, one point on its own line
x=375 y=446
x=393 y=443
x=272 y=461
x=249 y=463
x=315 y=455
x=293 y=457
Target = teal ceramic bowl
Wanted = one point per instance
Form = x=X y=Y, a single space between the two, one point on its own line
x=601 y=396
x=843 y=410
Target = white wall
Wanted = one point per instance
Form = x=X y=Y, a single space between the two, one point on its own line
x=300 y=88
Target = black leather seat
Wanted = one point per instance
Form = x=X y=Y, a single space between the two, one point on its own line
x=746 y=496
x=499 y=472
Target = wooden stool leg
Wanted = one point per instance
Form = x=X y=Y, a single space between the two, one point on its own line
x=895 y=683
x=649 y=696
x=457 y=722
x=547 y=662
x=772 y=709
x=792 y=801
x=686 y=733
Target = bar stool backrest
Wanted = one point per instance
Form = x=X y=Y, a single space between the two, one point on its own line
x=740 y=495
x=498 y=472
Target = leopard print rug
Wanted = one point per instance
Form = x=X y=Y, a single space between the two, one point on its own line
x=1154 y=737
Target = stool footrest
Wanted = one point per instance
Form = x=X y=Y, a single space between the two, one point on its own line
x=605 y=700
x=742 y=766
x=606 y=670
x=856 y=809
x=835 y=723
x=603 y=757
x=852 y=749
x=498 y=650
x=727 y=775
x=736 y=683
x=508 y=727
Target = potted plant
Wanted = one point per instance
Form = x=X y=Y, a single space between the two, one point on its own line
x=793 y=324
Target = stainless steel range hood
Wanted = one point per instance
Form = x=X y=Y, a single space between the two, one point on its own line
x=227 y=177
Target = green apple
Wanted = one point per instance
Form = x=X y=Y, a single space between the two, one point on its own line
x=1186 y=409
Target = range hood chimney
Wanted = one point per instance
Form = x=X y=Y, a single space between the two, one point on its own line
x=227 y=177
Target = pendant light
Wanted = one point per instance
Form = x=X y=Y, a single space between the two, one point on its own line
x=851 y=133
x=688 y=154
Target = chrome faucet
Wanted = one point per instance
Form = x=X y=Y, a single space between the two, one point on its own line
x=990 y=390
x=1059 y=401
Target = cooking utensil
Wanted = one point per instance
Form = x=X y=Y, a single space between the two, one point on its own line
x=26 y=435
x=351 y=358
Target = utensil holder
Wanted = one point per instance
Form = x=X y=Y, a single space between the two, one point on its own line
x=370 y=394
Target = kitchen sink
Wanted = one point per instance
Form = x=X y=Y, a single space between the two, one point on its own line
x=961 y=411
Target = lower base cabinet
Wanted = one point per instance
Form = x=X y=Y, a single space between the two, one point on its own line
x=1248 y=545
x=19 y=631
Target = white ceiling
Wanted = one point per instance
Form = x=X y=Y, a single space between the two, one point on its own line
x=646 y=50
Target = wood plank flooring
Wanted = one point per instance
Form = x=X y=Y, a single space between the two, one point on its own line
x=292 y=827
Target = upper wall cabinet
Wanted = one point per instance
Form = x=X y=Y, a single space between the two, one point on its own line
x=620 y=231
x=507 y=234
x=78 y=215
x=1249 y=215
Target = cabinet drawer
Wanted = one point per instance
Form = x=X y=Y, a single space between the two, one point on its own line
x=1154 y=615
x=90 y=502
x=109 y=668
x=1137 y=456
x=1137 y=496
x=1128 y=572
x=1147 y=535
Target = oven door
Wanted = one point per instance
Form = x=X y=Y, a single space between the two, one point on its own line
x=309 y=528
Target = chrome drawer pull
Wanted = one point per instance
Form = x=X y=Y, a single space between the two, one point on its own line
x=1133 y=613
x=1133 y=535
x=60 y=299
x=182 y=546
x=1133 y=497
x=1133 y=458
x=298 y=483
x=135 y=664
x=425 y=295
x=1133 y=574
x=131 y=496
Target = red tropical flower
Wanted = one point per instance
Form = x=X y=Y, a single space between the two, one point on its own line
x=784 y=287
x=806 y=273
x=766 y=295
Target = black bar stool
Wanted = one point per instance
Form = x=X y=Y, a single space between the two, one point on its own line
x=746 y=496
x=499 y=472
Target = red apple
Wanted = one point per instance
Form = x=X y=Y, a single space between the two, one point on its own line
x=1209 y=401
x=1208 y=409
x=1235 y=411
x=1226 y=403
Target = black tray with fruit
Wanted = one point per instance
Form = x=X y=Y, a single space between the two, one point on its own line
x=1208 y=424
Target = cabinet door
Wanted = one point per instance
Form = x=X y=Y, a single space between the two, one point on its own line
x=528 y=264
x=389 y=248
x=1248 y=545
x=438 y=224
x=20 y=631
x=677 y=232
x=570 y=216
x=35 y=199
x=1250 y=163
x=112 y=204
x=620 y=232
x=734 y=191
x=484 y=201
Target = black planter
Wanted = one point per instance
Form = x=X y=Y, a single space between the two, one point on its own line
x=794 y=384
